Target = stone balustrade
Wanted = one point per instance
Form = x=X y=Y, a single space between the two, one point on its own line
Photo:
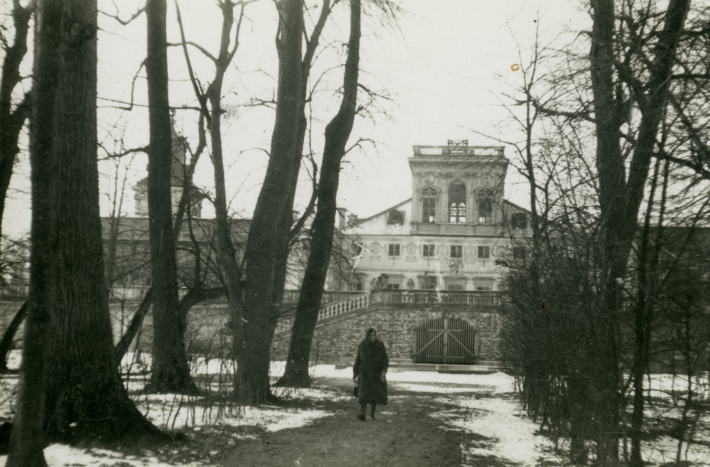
x=435 y=297
x=356 y=302
x=291 y=296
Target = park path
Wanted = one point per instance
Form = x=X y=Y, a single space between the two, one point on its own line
x=404 y=434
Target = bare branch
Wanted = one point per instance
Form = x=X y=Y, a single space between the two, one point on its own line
x=117 y=17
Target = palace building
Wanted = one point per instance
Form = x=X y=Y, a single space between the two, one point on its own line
x=425 y=270
x=448 y=234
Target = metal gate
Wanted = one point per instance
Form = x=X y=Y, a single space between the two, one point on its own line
x=445 y=340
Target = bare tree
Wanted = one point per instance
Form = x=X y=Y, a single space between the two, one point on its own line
x=272 y=219
x=68 y=342
x=620 y=197
x=12 y=119
x=337 y=134
x=226 y=252
x=170 y=369
x=27 y=438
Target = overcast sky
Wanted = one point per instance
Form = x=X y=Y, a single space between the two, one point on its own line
x=445 y=64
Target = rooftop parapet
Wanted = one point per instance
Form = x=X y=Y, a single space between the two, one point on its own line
x=458 y=150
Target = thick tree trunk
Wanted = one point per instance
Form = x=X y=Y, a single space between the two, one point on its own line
x=267 y=257
x=68 y=341
x=336 y=137
x=170 y=369
x=252 y=379
x=11 y=122
x=286 y=231
x=610 y=166
x=9 y=335
x=86 y=399
x=27 y=438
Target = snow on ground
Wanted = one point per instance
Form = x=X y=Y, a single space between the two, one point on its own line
x=174 y=414
x=496 y=426
x=61 y=455
x=511 y=434
x=485 y=410
x=663 y=450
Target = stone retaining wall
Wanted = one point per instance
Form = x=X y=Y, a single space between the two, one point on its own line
x=336 y=340
x=206 y=325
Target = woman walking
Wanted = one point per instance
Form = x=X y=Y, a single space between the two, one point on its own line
x=369 y=372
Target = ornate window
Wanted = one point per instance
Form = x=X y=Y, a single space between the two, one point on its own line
x=457 y=203
x=428 y=282
x=484 y=252
x=428 y=205
x=428 y=251
x=456 y=251
x=393 y=249
x=519 y=220
x=485 y=208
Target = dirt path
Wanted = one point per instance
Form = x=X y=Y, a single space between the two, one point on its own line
x=403 y=434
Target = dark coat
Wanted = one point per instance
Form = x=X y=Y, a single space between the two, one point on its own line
x=370 y=362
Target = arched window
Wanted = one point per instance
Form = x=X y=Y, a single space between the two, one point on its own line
x=395 y=218
x=485 y=207
x=428 y=205
x=457 y=203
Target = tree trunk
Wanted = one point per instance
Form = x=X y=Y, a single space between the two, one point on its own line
x=86 y=399
x=286 y=231
x=336 y=137
x=134 y=326
x=620 y=199
x=170 y=369
x=9 y=335
x=226 y=253
x=11 y=122
x=27 y=437
x=252 y=379
x=642 y=312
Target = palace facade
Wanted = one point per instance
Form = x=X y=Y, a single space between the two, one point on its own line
x=448 y=235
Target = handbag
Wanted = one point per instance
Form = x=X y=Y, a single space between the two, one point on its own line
x=355 y=391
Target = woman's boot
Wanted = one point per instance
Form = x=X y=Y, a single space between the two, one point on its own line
x=361 y=415
x=372 y=412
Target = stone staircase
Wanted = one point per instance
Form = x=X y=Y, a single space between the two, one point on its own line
x=327 y=311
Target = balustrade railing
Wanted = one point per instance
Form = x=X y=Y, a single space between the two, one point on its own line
x=291 y=296
x=458 y=150
x=352 y=301
x=357 y=302
x=436 y=297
